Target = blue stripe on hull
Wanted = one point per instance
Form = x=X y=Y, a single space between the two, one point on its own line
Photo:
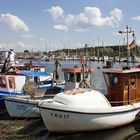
x=4 y=94
x=45 y=87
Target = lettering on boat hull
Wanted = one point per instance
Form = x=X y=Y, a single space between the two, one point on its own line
x=21 y=107
x=59 y=115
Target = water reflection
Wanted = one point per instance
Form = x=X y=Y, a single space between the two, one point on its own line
x=127 y=132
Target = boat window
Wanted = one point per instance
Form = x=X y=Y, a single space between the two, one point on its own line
x=86 y=74
x=115 y=80
x=107 y=79
x=126 y=81
x=46 y=82
x=11 y=81
x=37 y=70
x=78 y=77
x=67 y=77
x=2 y=82
x=111 y=79
x=36 y=79
x=29 y=78
x=72 y=77
x=133 y=82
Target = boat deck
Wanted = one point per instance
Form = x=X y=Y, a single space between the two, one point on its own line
x=76 y=91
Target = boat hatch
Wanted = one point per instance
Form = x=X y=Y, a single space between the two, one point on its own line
x=122 y=86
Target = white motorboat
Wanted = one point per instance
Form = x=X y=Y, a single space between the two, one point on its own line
x=87 y=109
x=26 y=106
x=22 y=106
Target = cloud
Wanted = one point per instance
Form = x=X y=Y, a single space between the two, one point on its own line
x=19 y=46
x=81 y=30
x=14 y=22
x=137 y=18
x=117 y=14
x=70 y=19
x=56 y=12
x=28 y=36
x=42 y=39
x=90 y=17
x=60 y=27
x=3 y=45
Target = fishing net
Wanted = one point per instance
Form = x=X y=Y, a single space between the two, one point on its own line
x=30 y=88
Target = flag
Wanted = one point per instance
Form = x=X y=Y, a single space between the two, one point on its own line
x=30 y=63
x=132 y=45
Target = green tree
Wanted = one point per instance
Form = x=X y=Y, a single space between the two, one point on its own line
x=26 y=51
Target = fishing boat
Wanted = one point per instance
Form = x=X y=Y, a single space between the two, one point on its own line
x=82 y=109
x=16 y=82
x=21 y=82
x=26 y=106
x=20 y=109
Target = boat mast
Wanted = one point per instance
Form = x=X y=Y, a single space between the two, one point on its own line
x=86 y=55
x=128 y=30
x=83 y=60
x=57 y=69
x=98 y=49
x=119 y=51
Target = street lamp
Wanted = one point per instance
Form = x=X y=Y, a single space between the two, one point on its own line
x=128 y=30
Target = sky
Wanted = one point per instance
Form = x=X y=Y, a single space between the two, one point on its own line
x=47 y=25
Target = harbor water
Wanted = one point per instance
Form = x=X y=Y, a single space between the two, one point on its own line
x=127 y=132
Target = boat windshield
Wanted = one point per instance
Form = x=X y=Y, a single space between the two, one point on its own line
x=69 y=77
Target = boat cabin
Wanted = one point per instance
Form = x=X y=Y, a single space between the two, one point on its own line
x=11 y=84
x=36 y=76
x=123 y=86
x=76 y=78
x=14 y=83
